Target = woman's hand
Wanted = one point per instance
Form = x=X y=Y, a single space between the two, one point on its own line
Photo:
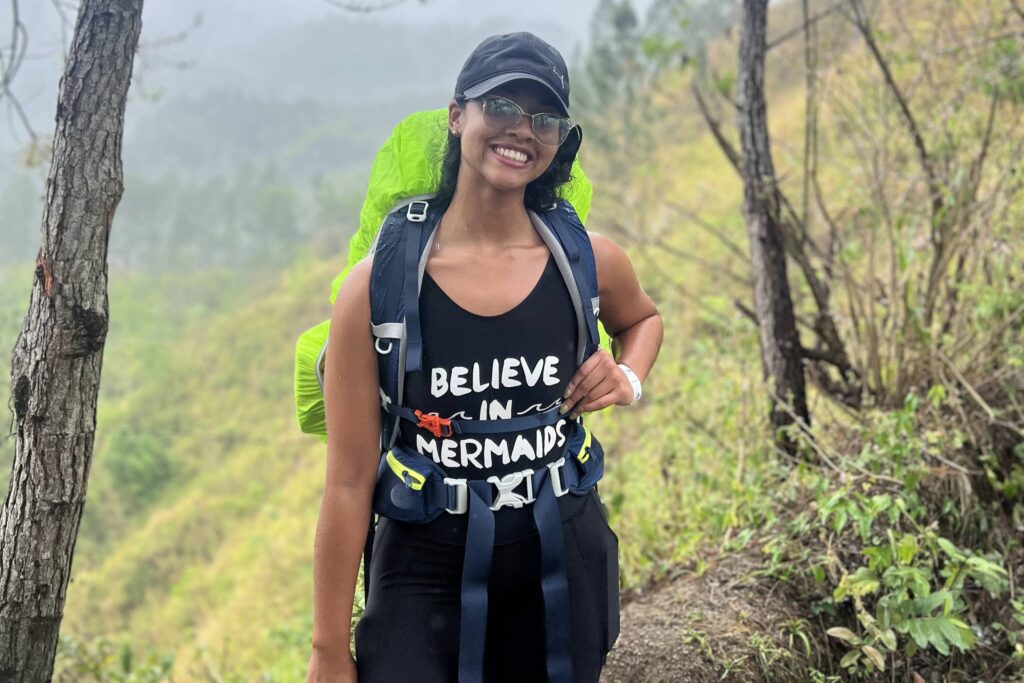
x=597 y=383
x=326 y=666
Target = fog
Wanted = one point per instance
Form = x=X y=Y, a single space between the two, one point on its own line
x=251 y=127
x=286 y=50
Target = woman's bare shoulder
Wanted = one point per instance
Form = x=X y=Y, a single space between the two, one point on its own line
x=623 y=300
x=355 y=287
x=352 y=305
x=613 y=264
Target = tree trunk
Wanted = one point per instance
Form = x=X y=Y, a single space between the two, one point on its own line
x=55 y=370
x=780 y=344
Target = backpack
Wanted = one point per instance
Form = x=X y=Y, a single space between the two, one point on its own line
x=405 y=169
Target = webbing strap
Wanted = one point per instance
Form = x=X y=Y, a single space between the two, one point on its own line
x=554 y=581
x=577 y=266
x=476 y=572
x=411 y=298
x=510 y=424
x=367 y=559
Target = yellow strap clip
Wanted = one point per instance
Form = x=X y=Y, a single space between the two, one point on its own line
x=584 y=453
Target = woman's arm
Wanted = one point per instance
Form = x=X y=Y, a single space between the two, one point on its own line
x=632 y=320
x=352 y=404
x=627 y=313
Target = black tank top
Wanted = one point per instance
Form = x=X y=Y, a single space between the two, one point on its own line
x=488 y=367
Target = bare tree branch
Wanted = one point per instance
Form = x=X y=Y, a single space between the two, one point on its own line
x=174 y=38
x=807 y=23
x=659 y=242
x=974 y=181
x=9 y=66
x=716 y=129
x=810 y=110
x=652 y=263
x=1016 y=7
x=65 y=20
x=861 y=21
x=708 y=227
x=746 y=311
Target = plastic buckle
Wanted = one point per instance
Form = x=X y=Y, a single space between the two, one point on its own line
x=557 y=485
x=506 y=489
x=435 y=424
x=461 y=495
x=419 y=215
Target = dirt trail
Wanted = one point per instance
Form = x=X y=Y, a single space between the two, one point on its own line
x=725 y=625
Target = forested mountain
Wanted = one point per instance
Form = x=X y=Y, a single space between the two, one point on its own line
x=259 y=147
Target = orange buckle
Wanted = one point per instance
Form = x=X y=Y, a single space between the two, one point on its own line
x=435 y=424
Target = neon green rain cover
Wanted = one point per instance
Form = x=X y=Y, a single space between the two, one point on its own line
x=408 y=164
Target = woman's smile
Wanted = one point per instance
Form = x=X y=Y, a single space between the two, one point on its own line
x=511 y=155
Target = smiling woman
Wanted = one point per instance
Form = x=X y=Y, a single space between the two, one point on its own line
x=492 y=560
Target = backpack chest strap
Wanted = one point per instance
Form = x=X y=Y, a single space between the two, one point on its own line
x=441 y=426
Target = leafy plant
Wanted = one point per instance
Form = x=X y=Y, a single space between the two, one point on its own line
x=910 y=586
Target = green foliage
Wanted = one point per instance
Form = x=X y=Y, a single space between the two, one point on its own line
x=1014 y=631
x=911 y=588
x=107 y=660
x=255 y=216
x=224 y=179
x=725 y=82
x=139 y=463
x=610 y=82
x=1004 y=69
x=687 y=26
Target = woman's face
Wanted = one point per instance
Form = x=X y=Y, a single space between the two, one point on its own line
x=482 y=145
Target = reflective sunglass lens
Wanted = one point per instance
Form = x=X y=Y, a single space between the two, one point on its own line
x=500 y=112
x=549 y=129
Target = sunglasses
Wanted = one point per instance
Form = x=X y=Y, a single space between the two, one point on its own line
x=502 y=113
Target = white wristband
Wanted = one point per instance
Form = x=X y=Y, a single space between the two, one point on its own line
x=634 y=381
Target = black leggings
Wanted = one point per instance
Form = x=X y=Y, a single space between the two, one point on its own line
x=409 y=631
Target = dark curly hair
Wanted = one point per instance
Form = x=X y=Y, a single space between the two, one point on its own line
x=540 y=194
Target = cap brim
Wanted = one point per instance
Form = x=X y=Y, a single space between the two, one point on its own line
x=494 y=81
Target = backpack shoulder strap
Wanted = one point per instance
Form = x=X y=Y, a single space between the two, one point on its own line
x=396 y=277
x=565 y=236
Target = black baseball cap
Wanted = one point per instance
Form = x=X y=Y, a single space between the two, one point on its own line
x=510 y=56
